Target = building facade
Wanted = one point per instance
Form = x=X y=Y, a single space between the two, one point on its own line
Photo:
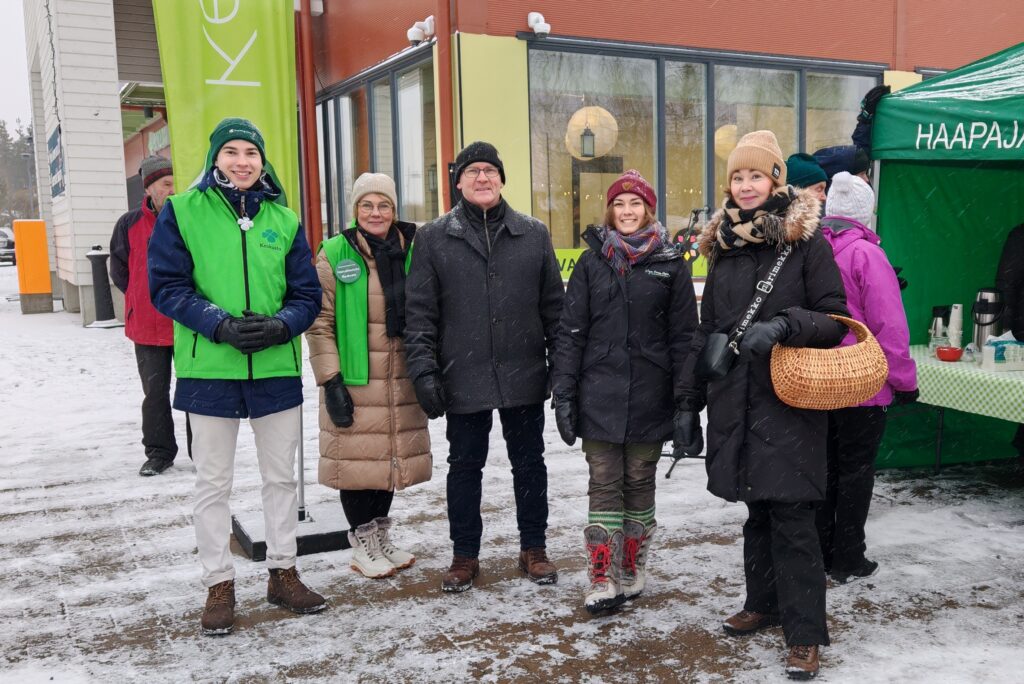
x=97 y=109
x=666 y=88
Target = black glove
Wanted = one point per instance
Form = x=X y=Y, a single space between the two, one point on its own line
x=243 y=334
x=870 y=102
x=338 y=402
x=901 y=398
x=900 y=279
x=687 y=438
x=273 y=330
x=565 y=417
x=759 y=338
x=430 y=394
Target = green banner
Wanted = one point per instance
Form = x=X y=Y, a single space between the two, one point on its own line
x=225 y=58
x=973 y=113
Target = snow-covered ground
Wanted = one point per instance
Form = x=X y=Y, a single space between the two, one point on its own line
x=100 y=580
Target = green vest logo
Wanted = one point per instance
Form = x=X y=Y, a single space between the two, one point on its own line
x=269 y=238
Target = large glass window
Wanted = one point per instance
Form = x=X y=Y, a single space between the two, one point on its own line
x=833 y=102
x=383 y=147
x=357 y=146
x=751 y=100
x=417 y=144
x=591 y=118
x=685 y=116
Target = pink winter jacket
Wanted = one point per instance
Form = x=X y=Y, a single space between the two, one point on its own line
x=873 y=297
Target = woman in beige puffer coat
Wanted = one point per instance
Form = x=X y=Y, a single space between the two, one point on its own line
x=373 y=434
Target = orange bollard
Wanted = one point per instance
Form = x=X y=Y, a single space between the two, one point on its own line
x=36 y=295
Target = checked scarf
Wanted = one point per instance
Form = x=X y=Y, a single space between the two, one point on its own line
x=625 y=251
x=742 y=226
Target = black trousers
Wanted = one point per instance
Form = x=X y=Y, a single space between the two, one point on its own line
x=854 y=436
x=157 y=424
x=468 y=438
x=365 y=505
x=782 y=564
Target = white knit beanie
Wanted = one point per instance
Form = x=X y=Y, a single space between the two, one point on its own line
x=850 y=197
x=379 y=183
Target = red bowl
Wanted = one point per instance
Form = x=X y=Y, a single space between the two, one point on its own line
x=949 y=353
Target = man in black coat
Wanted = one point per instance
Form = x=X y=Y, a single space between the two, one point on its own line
x=483 y=299
x=1010 y=279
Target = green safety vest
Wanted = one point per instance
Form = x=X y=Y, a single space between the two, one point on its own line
x=235 y=270
x=351 y=302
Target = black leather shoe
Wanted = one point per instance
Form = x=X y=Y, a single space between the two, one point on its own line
x=154 y=466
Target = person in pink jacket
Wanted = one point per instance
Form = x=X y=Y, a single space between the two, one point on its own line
x=873 y=296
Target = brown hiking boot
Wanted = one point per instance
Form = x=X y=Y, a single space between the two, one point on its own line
x=534 y=562
x=748 y=622
x=802 y=662
x=285 y=589
x=460 y=575
x=219 y=613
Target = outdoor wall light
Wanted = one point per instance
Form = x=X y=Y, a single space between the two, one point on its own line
x=587 y=143
x=535 y=20
x=592 y=132
x=421 y=31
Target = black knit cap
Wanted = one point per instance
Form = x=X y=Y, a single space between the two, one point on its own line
x=478 y=152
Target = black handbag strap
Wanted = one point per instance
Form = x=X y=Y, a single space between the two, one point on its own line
x=761 y=291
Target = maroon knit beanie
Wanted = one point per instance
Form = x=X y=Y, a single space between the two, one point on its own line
x=633 y=182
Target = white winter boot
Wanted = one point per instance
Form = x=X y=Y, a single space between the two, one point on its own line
x=367 y=557
x=604 y=552
x=635 y=545
x=399 y=558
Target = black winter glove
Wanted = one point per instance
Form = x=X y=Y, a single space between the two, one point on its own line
x=338 y=402
x=687 y=437
x=565 y=417
x=870 y=103
x=274 y=331
x=901 y=398
x=759 y=338
x=241 y=333
x=430 y=394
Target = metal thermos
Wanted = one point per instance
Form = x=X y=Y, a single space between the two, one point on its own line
x=987 y=313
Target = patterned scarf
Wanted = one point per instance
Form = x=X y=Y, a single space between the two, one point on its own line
x=742 y=226
x=625 y=251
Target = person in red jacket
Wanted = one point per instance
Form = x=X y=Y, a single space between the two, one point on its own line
x=150 y=330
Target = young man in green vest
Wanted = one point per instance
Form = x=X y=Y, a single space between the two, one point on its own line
x=229 y=263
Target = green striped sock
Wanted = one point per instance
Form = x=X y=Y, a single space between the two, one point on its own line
x=610 y=519
x=645 y=518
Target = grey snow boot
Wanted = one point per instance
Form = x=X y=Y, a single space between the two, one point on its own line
x=635 y=547
x=604 y=554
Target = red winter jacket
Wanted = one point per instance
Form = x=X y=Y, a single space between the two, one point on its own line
x=143 y=324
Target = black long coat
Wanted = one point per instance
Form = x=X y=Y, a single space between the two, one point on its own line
x=757 y=447
x=1010 y=279
x=623 y=341
x=485 y=318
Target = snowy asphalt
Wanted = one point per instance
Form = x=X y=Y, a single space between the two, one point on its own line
x=100 y=580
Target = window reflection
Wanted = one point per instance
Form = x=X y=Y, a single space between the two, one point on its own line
x=383 y=148
x=568 y=187
x=748 y=100
x=685 y=115
x=833 y=102
x=417 y=144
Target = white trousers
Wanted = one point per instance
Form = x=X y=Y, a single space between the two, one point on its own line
x=213 y=450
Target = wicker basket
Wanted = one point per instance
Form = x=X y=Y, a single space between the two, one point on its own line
x=827 y=379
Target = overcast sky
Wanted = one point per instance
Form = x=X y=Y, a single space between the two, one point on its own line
x=14 y=101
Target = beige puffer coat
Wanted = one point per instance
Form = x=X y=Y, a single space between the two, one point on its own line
x=388 y=445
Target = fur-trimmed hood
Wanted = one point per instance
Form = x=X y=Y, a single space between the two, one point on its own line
x=799 y=224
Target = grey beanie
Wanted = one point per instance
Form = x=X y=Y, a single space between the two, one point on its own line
x=154 y=168
x=379 y=183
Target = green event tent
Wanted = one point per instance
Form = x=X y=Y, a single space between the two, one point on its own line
x=951 y=187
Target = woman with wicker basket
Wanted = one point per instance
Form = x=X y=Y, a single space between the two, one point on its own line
x=627 y=322
x=855 y=433
x=760 y=450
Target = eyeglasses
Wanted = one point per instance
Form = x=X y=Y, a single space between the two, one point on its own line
x=368 y=207
x=472 y=173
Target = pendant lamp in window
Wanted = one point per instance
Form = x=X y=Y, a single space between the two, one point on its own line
x=592 y=132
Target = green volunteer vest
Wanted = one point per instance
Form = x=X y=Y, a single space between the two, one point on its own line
x=351 y=297
x=235 y=270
